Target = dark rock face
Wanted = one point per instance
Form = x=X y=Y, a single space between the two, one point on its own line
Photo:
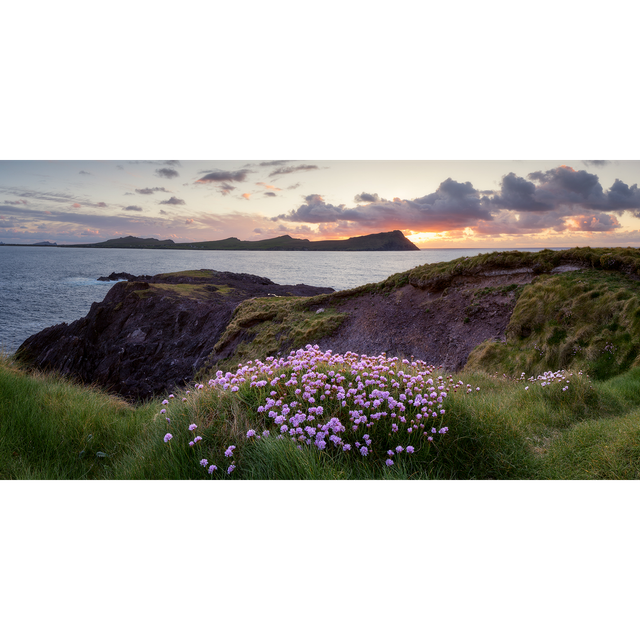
x=113 y=276
x=151 y=333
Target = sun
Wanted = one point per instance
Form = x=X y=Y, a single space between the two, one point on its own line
x=423 y=237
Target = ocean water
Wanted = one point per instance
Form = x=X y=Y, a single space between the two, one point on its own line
x=43 y=286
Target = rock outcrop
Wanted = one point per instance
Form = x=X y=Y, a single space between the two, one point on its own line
x=122 y=275
x=151 y=333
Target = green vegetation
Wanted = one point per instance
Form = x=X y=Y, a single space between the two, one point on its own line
x=194 y=273
x=51 y=428
x=262 y=327
x=587 y=320
x=576 y=426
x=439 y=276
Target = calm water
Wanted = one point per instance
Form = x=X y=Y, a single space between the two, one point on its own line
x=40 y=287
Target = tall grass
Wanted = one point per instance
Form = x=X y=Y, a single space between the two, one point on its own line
x=513 y=428
x=586 y=320
x=582 y=423
x=52 y=429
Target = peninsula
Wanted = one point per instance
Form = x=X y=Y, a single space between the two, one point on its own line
x=389 y=241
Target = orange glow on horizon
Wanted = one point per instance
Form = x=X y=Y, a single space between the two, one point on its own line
x=422 y=237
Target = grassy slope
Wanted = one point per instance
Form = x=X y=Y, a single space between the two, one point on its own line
x=504 y=432
x=50 y=428
x=587 y=320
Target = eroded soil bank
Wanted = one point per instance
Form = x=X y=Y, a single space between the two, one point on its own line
x=441 y=327
x=153 y=333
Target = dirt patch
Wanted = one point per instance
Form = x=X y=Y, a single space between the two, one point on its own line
x=440 y=328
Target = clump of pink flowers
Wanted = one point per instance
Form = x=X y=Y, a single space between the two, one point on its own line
x=347 y=404
x=375 y=409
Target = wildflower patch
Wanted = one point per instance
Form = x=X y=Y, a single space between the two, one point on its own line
x=374 y=409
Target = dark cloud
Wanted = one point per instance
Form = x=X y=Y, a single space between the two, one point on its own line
x=270 y=194
x=561 y=199
x=517 y=194
x=224 y=176
x=581 y=190
x=84 y=173
x=273 y=163
x=226 y=188
x=622 y=197
x=167 y=173
x=101 y=204
x=366 y=197
x=15 y=202
x=173 y=200
x=596 y=163
x=150 y=190
x=133 y=207
x=294 y=186
x=285 y=170
x=453 y=205
x=170 y=163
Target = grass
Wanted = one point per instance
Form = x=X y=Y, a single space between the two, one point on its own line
x=586 y=320
x=194 y=273
x=262 y=327
x=53 y=429
x=439 y=276
x=579 y=426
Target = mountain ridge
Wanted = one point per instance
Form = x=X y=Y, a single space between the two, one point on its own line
x=385 y=241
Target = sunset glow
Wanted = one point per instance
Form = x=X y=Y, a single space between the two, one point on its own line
x=441 y=204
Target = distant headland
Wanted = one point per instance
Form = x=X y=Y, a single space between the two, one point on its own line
x=389 y=241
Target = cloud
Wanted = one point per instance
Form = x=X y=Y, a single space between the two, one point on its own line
x=595 y=222
x=294 y=186
x=246 y=196
x=596 y=163
x=16 y=202
x=453 y=205
x=132 y=207
x=581 y=190
x=75 y=205
x=119 y=167
x=223 y=176
x=170 y=163
x=150 y=190
x=84 y=173
x=189 y=221
x=173 y=200
x=366 y=197
x=101 y=204
x=167 y=173
x=517 y=194
x=268 y=186
x=270 y=194
x=559 y=200
x=286 y=170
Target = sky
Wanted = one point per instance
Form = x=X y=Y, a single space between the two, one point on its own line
x=434 y=203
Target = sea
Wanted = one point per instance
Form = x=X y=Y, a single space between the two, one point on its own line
x=44 y=286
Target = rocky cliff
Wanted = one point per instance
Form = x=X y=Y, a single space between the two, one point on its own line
x=150 y=333
x=525 y=311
